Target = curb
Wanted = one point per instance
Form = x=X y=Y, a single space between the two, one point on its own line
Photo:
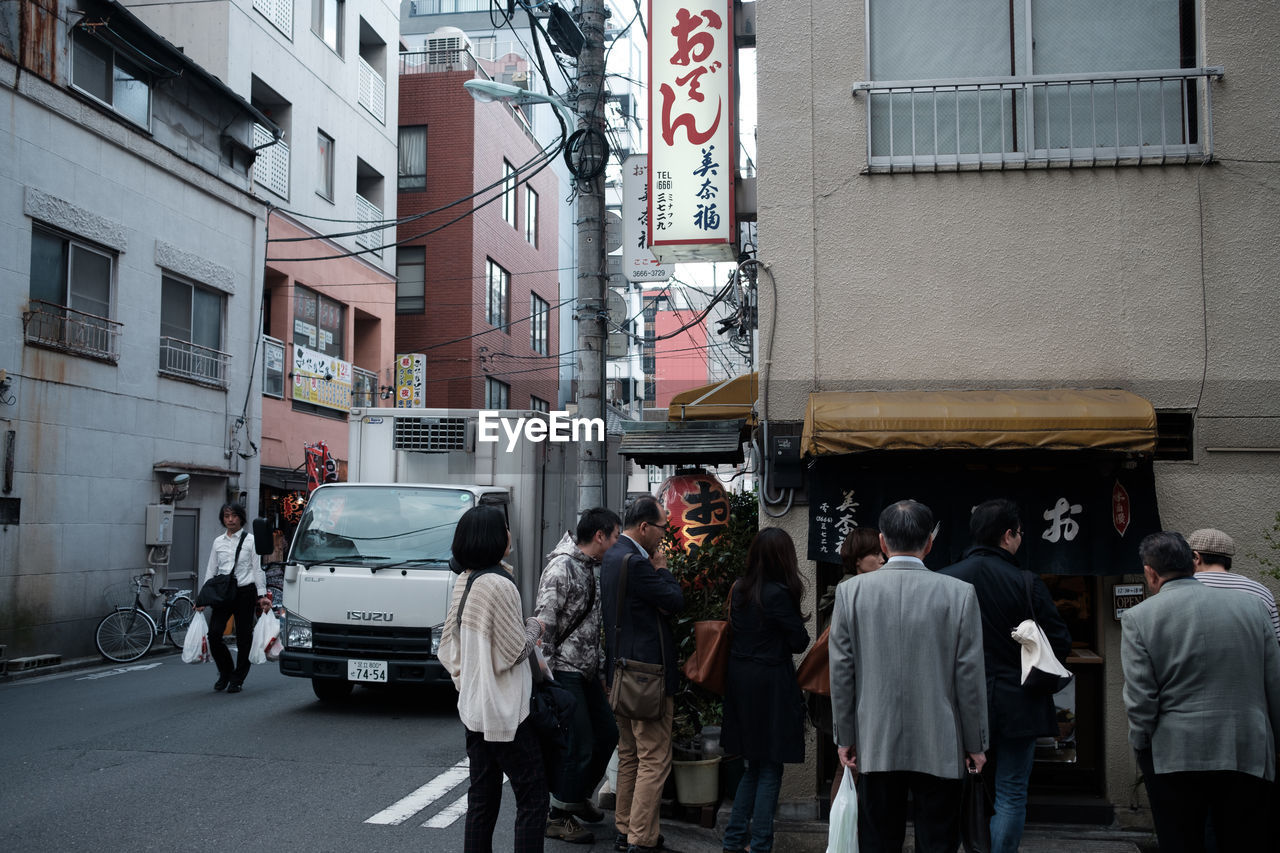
x=72 y=664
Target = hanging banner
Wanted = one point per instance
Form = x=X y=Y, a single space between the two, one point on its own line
x=638 y=263
x=320 y=379
x=411 y=378
x=1070 y=516
x=692 y=132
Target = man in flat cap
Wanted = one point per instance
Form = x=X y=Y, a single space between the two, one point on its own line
x=1212 y=551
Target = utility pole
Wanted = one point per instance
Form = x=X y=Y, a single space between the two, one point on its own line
x=592 y=272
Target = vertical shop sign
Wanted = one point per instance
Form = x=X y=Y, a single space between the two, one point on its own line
x=638 y=263
x=692 y=132
x=411 y=377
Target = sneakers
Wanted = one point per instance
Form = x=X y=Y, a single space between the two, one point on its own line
x=585 y=811
x=568 y=829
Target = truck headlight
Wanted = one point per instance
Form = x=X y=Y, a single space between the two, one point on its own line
x=297 y=632
x=436 y=633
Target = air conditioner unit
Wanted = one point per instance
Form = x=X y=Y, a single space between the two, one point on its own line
x=446 y=45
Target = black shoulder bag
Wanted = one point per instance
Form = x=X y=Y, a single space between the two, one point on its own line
x=220 y=590
x=638 y=688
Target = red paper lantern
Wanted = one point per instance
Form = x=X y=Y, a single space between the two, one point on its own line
x=697 y=508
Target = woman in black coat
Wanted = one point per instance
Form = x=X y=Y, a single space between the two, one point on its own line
x=763 y=705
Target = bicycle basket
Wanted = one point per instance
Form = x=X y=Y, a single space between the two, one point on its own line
x=120 y=594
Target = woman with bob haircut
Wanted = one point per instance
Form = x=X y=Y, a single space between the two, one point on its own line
x=763 y=705
x=486 y=650
x=860 y=551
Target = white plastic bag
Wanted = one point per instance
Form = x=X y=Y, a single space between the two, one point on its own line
x=842 y=834
x=195 y=646
x=267 y=629
x=1041 y=671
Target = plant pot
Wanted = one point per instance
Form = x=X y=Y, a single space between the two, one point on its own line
x=697 y=782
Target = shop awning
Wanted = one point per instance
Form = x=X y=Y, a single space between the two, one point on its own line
x=675 y=443
x=195 y=470
x=729 y=399
x=1051 y=419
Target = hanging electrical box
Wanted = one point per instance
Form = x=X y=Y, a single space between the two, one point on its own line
x=785 y=468
x=159 y=524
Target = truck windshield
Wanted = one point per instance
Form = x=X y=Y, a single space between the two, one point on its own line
x=384 y=525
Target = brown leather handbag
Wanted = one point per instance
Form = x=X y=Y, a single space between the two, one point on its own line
x=708 y=666
x=638 y=690
x=814 y=672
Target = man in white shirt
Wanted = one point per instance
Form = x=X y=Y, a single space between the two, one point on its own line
x=233 y=552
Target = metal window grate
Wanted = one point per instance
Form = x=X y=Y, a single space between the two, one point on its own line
x=373 y=91
x=431 y=434
x=191 y=361
x=59 y=327
x=368 y=214
x=1175 y=435
x=271 y=168
x=278 y=12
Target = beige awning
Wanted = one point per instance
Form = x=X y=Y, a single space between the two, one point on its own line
x=1053 y=419
x=730 y=399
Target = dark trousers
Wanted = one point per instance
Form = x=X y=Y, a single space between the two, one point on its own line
x=882 y=816
x=591 y=742
x=1184 y=804
x=521 y=760
x=243 y=608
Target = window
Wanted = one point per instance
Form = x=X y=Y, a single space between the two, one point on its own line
x=531 y=216
x=70 y=292
x=497 y=395
x=411 y=277
x=272 y=368
x=1067 y=89
x=100 y=71
x=364 y=388
x=539 y=323
x=499 y=287
x=509 y=179
x=539 y=405
x=318 y=322
x=191 y=331
x=324 y=165
x=326 y=22
x=413 y=158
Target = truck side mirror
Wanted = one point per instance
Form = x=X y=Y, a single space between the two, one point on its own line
x=263 y=536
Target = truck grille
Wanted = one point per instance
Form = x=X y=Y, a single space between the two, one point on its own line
x=378 y=643
x=431 y=434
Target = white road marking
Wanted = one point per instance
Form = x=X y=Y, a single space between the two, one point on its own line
x=118 y=671
x=447 y=816
x=397 y=813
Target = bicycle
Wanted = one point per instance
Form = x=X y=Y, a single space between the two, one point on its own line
x=129 y=632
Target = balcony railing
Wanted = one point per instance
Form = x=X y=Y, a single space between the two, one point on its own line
x=367 y=213
x=186 y=360
x=1133 y=118
x=373 y=91
x=59 y=327
x=271 y=168
x=437 y=61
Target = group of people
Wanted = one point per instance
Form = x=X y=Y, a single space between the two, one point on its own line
x=926 y=680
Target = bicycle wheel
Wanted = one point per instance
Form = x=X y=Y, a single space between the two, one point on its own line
x=177 y=619
x=125 y=635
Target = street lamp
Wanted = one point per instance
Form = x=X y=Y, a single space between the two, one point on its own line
x=486 y=91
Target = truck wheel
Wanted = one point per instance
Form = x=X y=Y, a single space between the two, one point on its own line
x=331 y=689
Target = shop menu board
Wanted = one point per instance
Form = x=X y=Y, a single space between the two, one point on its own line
x=1080 y=515
x=320 y=379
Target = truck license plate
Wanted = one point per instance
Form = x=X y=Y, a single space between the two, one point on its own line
x=367 y=670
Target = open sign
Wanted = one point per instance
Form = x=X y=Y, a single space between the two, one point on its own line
x=1126 y=595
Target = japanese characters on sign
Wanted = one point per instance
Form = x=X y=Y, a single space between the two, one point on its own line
x=638 y=263
x=320 y=379
x=697 y=508
x=692 y=135
x=411 y=376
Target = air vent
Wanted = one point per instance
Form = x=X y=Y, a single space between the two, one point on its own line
x=431 y=435
x=1175 y=436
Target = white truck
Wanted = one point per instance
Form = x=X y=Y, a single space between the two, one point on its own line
x=367 y=579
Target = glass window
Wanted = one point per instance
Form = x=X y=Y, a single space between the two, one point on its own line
x=326 y=22
x=539 y=405
x=69 y=273
x=509 y=179
x=499 y=288
x=531 y=216
x=539 y=323
x=189 y=313
x=318 y=322
x=324 y=173
x=411 y=271
x=497 y=395
x=111 y=78
x=272 y=368
x=413 y=158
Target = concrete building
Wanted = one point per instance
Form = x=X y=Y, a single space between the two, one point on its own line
x=131 y=271
x=1049 y=200
x=325 y=72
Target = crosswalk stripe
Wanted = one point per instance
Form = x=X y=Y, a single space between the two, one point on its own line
x=400 y=811
x=447 y=816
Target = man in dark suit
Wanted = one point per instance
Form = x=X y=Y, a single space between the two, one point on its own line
x=644 y=635
x=1016 y=717
x=1202 y=690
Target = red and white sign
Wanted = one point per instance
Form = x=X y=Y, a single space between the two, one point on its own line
x=411 y=376
x=692 y=136
x=1121 y=510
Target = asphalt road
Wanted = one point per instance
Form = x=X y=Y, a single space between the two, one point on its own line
x=146 y=756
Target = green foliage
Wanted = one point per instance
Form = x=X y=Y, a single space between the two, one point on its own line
x=1271 y=562
x=705 y=577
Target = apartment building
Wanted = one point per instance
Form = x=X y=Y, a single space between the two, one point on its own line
x=324 y=71
x=1024 y=249
x=131 y=272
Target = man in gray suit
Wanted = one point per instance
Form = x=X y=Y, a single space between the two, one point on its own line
x=1202 y=689
x=908 y=689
